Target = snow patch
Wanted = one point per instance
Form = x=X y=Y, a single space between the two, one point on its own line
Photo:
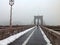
x=45 y=37
x=13 y=37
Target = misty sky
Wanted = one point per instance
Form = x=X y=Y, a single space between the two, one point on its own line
x=25 y=10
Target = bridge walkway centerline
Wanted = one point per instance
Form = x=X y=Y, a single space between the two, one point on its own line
x=36 y=38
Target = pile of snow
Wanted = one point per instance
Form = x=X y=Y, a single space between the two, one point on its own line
x=13 y=37
x=45 y=37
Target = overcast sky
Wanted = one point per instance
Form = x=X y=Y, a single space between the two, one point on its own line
x=25 y=10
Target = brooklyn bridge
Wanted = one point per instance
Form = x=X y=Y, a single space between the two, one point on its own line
x=30 y=22
x=36 y=34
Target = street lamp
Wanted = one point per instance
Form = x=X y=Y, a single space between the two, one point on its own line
x=11 y=3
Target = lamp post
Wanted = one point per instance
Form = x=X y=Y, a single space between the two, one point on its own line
x=11 y=3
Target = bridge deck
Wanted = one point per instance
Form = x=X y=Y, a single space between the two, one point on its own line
x=33 y=37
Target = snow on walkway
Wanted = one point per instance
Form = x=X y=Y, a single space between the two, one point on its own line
x=45 y=37
x=13 y=37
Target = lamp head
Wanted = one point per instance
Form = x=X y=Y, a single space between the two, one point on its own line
x=11 y=2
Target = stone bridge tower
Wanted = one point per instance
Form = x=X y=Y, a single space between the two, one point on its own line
x=38 y=20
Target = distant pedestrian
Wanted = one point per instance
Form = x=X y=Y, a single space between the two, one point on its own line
x=37 y=26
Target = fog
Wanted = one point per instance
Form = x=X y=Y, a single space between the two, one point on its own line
x=25 y=10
